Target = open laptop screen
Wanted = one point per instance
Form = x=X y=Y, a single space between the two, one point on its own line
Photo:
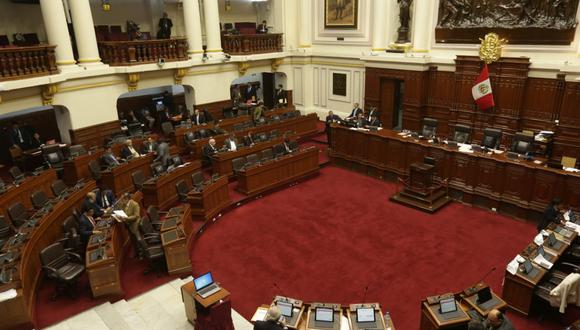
x=203 y=281
x=447 y=305
x=285 y=308
x=324 y=314
x=528 y=266
x=365 y=314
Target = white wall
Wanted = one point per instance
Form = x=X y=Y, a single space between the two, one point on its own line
x=138 y=11
x=28 y=20
x=242 y=11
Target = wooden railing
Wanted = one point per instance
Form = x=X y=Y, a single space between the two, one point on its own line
x=252 y=43
x=117 y=53
x=26 y=62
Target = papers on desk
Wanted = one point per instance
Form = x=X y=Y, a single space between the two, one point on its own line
x=512 y=267
x=465 y=148
x=540 y=260
x=495 y=151
x=571 y=169
x=7 y=295
x=120 y=213
x=260 y=314
x=539 y=239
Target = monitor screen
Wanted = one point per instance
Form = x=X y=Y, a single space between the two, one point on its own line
x=285 y=308
x=203 y=281
x=447 y=305
x=552 y=239
x=324 y=314
x=366 y=314
x=528 y=266
x=541 y=250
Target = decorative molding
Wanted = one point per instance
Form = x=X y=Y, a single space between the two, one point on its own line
x=133 y=81
x=178 y=75
x=48 y=92
x=276 y=63
x=202 y=72
x=243 y=68
x=87 y=86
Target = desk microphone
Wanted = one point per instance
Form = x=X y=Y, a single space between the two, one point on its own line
x=279 y=290
x=365 y=294
x=471 y=290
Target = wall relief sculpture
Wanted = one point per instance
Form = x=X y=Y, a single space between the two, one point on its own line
x=519 y=21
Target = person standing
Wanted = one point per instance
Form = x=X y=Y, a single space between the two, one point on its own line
x=165 y=26
x=331 y=118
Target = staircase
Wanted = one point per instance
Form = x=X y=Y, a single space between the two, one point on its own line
x=160 y=308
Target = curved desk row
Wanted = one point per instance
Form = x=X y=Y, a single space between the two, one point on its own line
x=22 y=192
x=161 y=192
x=20 y=310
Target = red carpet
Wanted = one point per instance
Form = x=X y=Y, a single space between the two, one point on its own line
x=328 y=238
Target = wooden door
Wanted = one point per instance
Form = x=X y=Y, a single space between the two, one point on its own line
x=387 y=102
x=268 y=89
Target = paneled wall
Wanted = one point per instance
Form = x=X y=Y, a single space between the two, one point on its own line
x=521 y=102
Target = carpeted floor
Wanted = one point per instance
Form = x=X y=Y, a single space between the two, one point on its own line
x=328 y=238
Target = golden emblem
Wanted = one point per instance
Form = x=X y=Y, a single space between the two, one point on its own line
x=490 y=49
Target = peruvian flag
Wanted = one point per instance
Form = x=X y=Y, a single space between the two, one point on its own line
x=482 y=90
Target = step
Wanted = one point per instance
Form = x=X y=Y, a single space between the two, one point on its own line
x=425 y=198
x=130 y=316
x=111 y=317
x=153 y=307
x=86 y=320
x=420 y=205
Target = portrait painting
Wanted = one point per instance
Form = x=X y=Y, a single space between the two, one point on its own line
x=339 y=84
x=340 y=14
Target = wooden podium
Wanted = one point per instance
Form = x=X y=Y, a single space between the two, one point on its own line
x=174 y=241
x=213 y=312
x=207 y=203
x=420 y=191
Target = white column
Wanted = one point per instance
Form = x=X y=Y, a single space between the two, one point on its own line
x=379 y=24
x=212 y=26
x=82 y=20
x=57 y=32
x=192 y=20
x=422 y=14
x=391 y=21
x=305 y=28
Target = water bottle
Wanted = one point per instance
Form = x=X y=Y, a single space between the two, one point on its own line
x=388 y=320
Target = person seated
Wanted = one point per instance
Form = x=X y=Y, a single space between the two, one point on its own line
x=375 y=121
x=248 y=139
x=273 y=320
x=109 y=158
x=35 y=141
x=104 y=197
x=496 y=320
x=90 y=202
x=286 y=144
x=355 y=112
x=210 y=149
x=372 y=112
x=131 y=118
x=262 y=28
x=360 y=120
x=281 y=95
x=207 y=115
x=149 y=146
x=18 y=136
x=128 y=151
x=551 y=214
x=231 y=143
x=198 y=118
x=165 y=115
x=259 y=111
x=87 y=225
x=475 y=325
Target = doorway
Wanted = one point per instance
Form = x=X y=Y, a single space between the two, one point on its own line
x=391 y=103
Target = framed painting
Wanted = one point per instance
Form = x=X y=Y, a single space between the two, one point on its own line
x=340 y=14
x=339 y=84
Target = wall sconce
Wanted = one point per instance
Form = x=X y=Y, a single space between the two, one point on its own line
x=106 y=5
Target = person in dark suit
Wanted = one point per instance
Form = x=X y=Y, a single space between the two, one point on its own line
x=198 y=118
x=207 y=115
x=231 y=143
x=331 y=118
x=149 y=146
x=374 y=121
x=248 y=139
x=360 y=120
x=272 y=321
x=165 y=115
x=497 y=320
x=35 y=141
x=163 y=155
x=286 y=145
x=165 y=25
x=128 y=152
x=18 y=136
x=262 y=28
x=87 y=224
x=168 y=101
x=372 y=112
x=209 y=150
x=109 y=158
x=551 y=214
x=251 y=93
x=280 y=95
x=105 y=198
x=90 y=202
x=355 y=112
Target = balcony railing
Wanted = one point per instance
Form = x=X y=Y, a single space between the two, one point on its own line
x=252 y=43
x=27 y=62
x=117 y=53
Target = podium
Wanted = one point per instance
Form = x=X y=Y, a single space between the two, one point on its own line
x=433 y=319
x=297 y=310
x=420 y=191
x=311 y=321
x=174 y=240
x=211 y=313
x=380 y=322
x=211 y=200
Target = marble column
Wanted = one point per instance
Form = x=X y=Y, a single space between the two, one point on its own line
x=422 y=14
x=379 y=24
x=57 y=32
x=85 y=36
x=192 y=20
x=305 y=28
x=212 y=26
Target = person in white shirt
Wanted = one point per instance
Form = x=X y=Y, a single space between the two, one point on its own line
x=230 y=143
x=128 y=151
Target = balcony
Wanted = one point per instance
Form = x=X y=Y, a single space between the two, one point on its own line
x=27 y=62
x=121 y=53
x=246 y=44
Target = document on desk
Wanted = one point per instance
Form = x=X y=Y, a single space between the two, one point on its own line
x=540 y=260
x=539 y=239
x=512 y=267
x=120 y=213
x=7 y=295
x=260 y=314
x=573 y=226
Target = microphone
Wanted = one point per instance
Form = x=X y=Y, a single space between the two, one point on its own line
x=471 y=290
x=365 y=294
x=279 y=291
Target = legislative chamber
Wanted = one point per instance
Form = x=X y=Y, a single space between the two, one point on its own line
x=289 y=164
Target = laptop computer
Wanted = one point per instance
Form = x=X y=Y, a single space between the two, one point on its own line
x=205 y=286
x=324 y=317
x=285 y=308
x=447 y=305
x=483 y=295
x=365 y=317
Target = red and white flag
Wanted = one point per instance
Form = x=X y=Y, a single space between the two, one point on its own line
x=482 y=90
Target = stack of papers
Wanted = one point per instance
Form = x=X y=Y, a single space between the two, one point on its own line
x=512 y=267
x=573 y=226
x=260 y=314
x=465 y=148
x=7 y=295
x=540 y=260
x=539 y=239
x=120 y=213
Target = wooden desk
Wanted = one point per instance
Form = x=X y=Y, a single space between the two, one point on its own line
x=174 y=243
x=119 y=180
x=431 y=318
x=379 y=318
x=483 y=309
x=22 y=192
x=78 y=167
x=193 y=302
x=222 y=161
x=207 y=203
x=105 y=272
x=338 y=312
x=178 y=138
x=20 y=310
x=476 y=178
x=278 y=172
x=161 y=191
x=518 y=289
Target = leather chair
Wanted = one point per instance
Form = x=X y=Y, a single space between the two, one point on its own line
x=202 y=133
x=262 y=137
x=153 y=253
x=182 y=190
x=16 y=173
x=5 y=230
x=18 y=214
x=138 y=178
x=522 y=143
x=95 y=170
x=39 y=199
x=238 y=126
x=177 y=161
x=238 y=164
x=228 y=113
x=197 y=178
x=149 y=233
x=157 y=168
x=61 y=266
x=53 y=157
x=279 y=150
x=293 y=145
x=189 y=137
x=242 y=112
x=267 y=154
x=462 y=134
x=2 y=186
x=252 y=160
x=135 y=129
x=154 y=219
x=72 y=238
x=150 y=121
x=167 y=128
x=429 y=127
x=491 y=138
x=58 y=188
x=274 y=133
x=551 y=280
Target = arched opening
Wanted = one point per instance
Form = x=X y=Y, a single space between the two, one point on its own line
x=149 y=108
x=269 y=87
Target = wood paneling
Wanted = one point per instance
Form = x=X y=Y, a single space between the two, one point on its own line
x=215 y=108
x=94 y=135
